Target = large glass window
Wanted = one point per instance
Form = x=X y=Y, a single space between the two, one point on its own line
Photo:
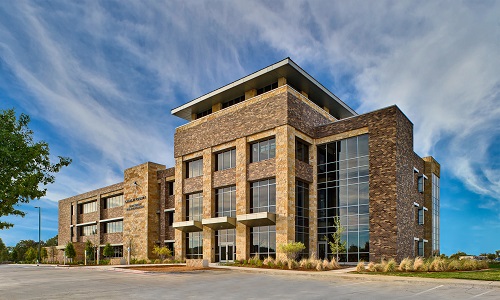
x=194 y=168
x=88 y=230
x=263 y=241
x=435 y=214
x=226 y=160
x=226 y=202
x=234 y=101
x=114 y=201
x=264 y=150
x=112 y=227
x=194 y=245
x=267 y=88
x=194 y=207
x=302 y=216
x=263 y=196
x=301 y=151
x=226 y=239
x=343 y=192
x=88 y=207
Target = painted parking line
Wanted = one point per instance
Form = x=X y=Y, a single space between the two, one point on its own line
x=436 y=287
x=479 y=295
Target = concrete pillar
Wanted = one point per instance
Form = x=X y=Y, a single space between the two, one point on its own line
x=208 y=205
x=281 y=81
x=180 y=208
x=285 y=187
x=242 y=198
x=250 y=93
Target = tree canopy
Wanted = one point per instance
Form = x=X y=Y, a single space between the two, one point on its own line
x=25 y=166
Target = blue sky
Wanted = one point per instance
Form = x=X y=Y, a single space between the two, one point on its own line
x=99 y=79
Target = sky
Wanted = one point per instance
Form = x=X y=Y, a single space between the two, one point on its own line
x=99 y=79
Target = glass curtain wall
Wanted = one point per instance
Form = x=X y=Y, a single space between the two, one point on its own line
x=302 y=216
x=194 y=240
x=263 y=199
x=343 y=192
x=226 y=238
x=435 y=215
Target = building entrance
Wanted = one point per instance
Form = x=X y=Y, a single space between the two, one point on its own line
x=227 y=252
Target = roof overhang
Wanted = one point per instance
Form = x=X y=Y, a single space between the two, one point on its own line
x=257 y=219
x=220 y=223
x=295 y=77
x=188 y=226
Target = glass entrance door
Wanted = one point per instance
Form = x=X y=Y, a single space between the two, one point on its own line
x=227 y=252
x=322 y=250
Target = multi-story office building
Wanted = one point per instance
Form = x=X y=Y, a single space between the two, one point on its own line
x=271 y=158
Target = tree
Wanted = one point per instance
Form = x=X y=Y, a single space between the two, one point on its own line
x=108 y=250
x=43 y=253
x=30 y=254
x=52 y=241
x=292 y=249
x=457 y=255
x=162 y=251
x=69 y=250
x=89 y=249
x=4 y=252
x=25 y=166
x=21 y=248
x=337 y=245
x=52 y=253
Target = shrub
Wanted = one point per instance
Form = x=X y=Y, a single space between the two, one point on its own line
x=254 y=261
x=270 y=262
x=438 y=264
x=292 y=264
x=380 y=267
x=104 y=262
x=319 y=265
x=360 y=267
x=390 y=266
x=157 y=261
x=334 y=264
x=454 y=265
x=162 y=251
x=326 y=264
x=292 y=249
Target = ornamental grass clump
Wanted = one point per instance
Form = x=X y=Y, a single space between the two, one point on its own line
x=406 y=265
x=269 y=262
x=326 y=264
x=390 y=266
x=418 y=264
x=371 y=267
x=454 y=265
x=319 y=265
x=360 y=267
x=438 y=264
x=334 y=264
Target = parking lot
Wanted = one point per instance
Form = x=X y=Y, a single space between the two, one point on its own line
x=50 y=282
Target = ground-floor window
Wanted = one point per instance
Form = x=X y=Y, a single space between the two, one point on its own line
x=117 y=251
x=263 y=241
x=226 y=245
x=194 y=245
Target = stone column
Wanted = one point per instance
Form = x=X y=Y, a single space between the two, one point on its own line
x=313 y=203
x=285 y=187
x=208 y=205
x=242 y=199
x=180 y=208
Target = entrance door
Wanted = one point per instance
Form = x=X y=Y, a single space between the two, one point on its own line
x=227 y=252
x=322 y=250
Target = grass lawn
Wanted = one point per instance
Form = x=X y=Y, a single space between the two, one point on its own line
x=492 y=274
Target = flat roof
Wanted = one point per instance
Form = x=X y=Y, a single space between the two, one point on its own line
x=295 y=76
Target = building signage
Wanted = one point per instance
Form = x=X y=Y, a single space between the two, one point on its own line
x=135 y=206
x=135 y=199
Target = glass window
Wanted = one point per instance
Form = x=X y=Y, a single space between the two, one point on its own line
x=267 y=88
x=344 y=165
x=263 y=150
x=301 y=151
x=114 y=201
x=88 y=230
x=302 y=216
x=194 y=207
x=204 y=113
x=194 y=245
x=421 y=248
x=170 y=188
x=194 y=168
x=88 y=207
x=420 y=184
x=435 y=214
x=112 y=227
x=226 y=160
x=234 y=101
x=421 y=216
x=263 y=196
x=226 y=202
x=263 y=241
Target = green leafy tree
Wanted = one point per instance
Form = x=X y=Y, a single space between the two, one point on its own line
x=292 y=249
x=336 y=244
x=4 y=252
x=14 y=255
x=43 y=254
x=25 y=166
x=162 y=251
x=108 y=250
x=457 y=255
x=51 y=242
x=89 y=249
x=23 y=246
x=69 y=250
x=30 y=255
